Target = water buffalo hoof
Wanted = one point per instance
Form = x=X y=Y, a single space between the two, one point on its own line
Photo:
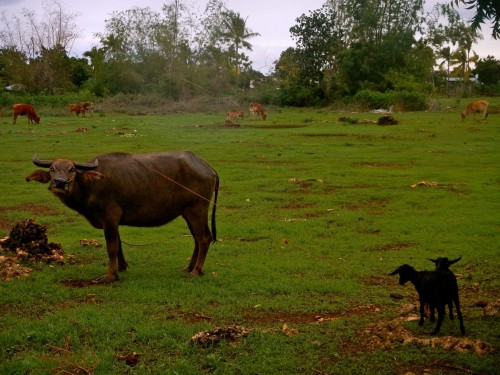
x=122 y=267
x=105 y=279
x=196 y=272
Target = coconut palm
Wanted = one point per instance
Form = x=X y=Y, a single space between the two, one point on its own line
x=236 y=33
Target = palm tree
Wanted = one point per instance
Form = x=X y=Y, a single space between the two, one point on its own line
x=462 y=59
x=445 y=54
x=236 y=33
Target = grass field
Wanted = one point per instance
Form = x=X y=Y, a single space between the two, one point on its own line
x=312 y=215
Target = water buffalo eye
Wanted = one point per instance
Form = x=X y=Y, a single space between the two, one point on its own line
x=51 y=169
x=72 y=169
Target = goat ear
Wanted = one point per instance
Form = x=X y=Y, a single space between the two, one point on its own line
x=39 y=176
x=88 y=176
x=454 y=261
x=433 y=260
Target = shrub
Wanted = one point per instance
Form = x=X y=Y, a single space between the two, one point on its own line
x=402 y=100
x=409 y=100
x=369 y=99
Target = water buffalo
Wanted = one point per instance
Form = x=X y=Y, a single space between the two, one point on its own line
x=143 y=190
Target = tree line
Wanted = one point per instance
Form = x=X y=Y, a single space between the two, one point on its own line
x=375 y=51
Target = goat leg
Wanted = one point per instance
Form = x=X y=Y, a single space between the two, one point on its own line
x=441 y=313
x=422 y=312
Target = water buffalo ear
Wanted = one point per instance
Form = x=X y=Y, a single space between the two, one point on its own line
x=88 y=176
x=39 y=176
x=454 y=261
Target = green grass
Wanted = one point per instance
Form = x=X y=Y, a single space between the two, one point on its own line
x=312 y=214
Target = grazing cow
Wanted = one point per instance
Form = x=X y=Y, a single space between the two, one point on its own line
x=87 y=107
x=256 y=108
x=25 y=110
x=77 y=108
x=480 y=106
x=234 y=115
x=142 y=190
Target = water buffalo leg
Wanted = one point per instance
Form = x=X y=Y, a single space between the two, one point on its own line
x=198 y=225
x=192 y=261
x=122 y=263
x=112 y=244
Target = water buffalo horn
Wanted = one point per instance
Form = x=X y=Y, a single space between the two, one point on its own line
x=48 y=163
x=86 y=166
x=42 y=163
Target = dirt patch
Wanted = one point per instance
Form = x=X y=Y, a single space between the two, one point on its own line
x=380 y=165
x=372 y=205
x=393 y=247
x=265 y=317
x=27 y=242
x=288 y=126
x=328 y=135
x=230 y=333
x=385 y=334
x=80 y=283
x=297 y=206
x=246 y=239
x=387 y=120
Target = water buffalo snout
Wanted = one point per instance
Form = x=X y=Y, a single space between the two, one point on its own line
x=60 y=183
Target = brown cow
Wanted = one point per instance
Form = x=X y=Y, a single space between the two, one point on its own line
x=77 y=108
x=480 y=106
x=256 y=108
x=25 y=110
x=87 y=107
x=234 y=115
x=142 y=190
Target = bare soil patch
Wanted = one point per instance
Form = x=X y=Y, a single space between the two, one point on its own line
x=288 y=126
x=27 y=242
x=381 y=165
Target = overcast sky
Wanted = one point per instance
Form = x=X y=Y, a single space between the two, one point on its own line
x=272 y=19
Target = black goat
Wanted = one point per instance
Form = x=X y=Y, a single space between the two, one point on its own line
x=438 y=289
x=443 y=265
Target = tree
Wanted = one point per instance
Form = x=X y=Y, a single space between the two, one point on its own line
x=236 y=33
x=485 y=10
x=13 y=67
x=319 y=42
x=446 y=56
x=462 y=58
x=30 y=35
x=348 y=45
x=131 y=34
x=488 y=70
x=174 y=35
